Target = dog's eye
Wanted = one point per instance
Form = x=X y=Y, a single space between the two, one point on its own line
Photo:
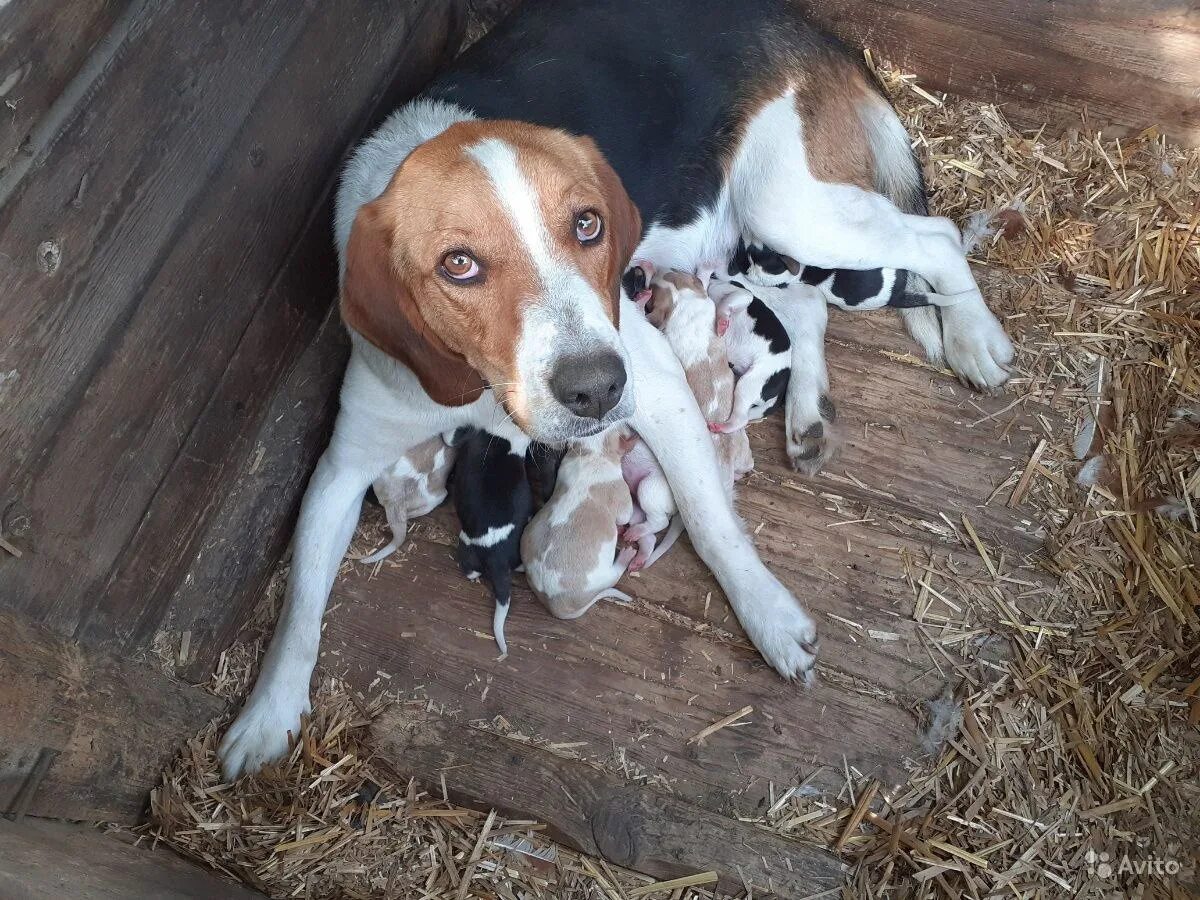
x=459 y=265
x=588 y=226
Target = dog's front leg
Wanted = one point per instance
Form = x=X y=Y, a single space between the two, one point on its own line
x=328 y=517
x=671 y=423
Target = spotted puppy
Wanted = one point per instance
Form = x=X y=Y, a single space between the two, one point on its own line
x=570 y=548
x=494 y=502
x=414 y=486
x=679 y=306
x=844 y=288
x=760 y=353
x=801 y=310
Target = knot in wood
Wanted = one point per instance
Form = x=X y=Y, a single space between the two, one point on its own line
x=619 y=827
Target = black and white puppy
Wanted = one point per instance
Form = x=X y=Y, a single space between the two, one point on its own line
x=844 y=288
x=760 y=353
x=494 y=503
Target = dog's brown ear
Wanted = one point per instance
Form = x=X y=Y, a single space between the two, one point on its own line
x=624 y=221
x=378 y=305
x=792 y=265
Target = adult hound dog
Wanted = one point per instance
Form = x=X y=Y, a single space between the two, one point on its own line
x=483 y=231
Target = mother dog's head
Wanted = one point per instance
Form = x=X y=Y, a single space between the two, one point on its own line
x=493 y=260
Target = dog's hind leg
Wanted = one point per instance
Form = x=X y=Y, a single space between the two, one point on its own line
x=777 y=198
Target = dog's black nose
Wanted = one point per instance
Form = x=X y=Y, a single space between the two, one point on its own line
x=589 y=385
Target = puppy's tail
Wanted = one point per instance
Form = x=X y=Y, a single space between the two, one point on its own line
x=612 y=594
x=500 y=576
x=674 y=530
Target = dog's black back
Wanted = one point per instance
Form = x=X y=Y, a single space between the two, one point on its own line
x=494 y=503
x=659 y=84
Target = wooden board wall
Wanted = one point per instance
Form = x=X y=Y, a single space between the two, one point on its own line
x=166 y=223
x=1131 y=63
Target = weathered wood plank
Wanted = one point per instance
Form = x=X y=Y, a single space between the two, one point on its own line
x=114 y=724
x=58 y=861
x=220 y=576
x=201 y=71
x=632 y=683
x=168 y=317
x=43 y=46
x=1129 y=64
x=635 y=826
x=402 y=49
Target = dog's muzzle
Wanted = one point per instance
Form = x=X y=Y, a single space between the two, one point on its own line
x=590 y=385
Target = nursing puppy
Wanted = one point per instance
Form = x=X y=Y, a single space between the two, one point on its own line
x=541 y=467
x=494 y=502
x=570 y=547
x=414 y=486
x=679 y=306
x=843 y=288
x=653 y=505
x=760 y=353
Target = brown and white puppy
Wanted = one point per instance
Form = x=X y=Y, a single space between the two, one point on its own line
x=679 y=306
x=570 y=547
x=414 y=486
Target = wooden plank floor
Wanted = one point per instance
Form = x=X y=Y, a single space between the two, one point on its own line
x=630 y=685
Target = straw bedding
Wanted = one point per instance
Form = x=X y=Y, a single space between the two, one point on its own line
x=1079 y=739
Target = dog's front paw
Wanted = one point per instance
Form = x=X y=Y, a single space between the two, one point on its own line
x=784 y=633
x=977 y=348
x=259 y=735
x=811 y=437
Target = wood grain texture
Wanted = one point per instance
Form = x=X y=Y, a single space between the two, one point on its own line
x=42 y=47
x=60 y=861
x=638 y=827
x=190 y=276
x=1131 y=65
x=115 y=724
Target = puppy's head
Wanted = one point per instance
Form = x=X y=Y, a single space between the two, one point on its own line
x=667 y=291
x=767 y=266
x=493 y=260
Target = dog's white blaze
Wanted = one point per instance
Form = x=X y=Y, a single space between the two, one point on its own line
x=559 y=278
x=489 y=538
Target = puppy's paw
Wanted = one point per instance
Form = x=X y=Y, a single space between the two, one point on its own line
x=811 y=439
x=259 y=735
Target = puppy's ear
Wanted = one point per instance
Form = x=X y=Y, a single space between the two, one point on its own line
x=660 y=304
x=379 y=305
x=792 y=266
x=624 y=222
